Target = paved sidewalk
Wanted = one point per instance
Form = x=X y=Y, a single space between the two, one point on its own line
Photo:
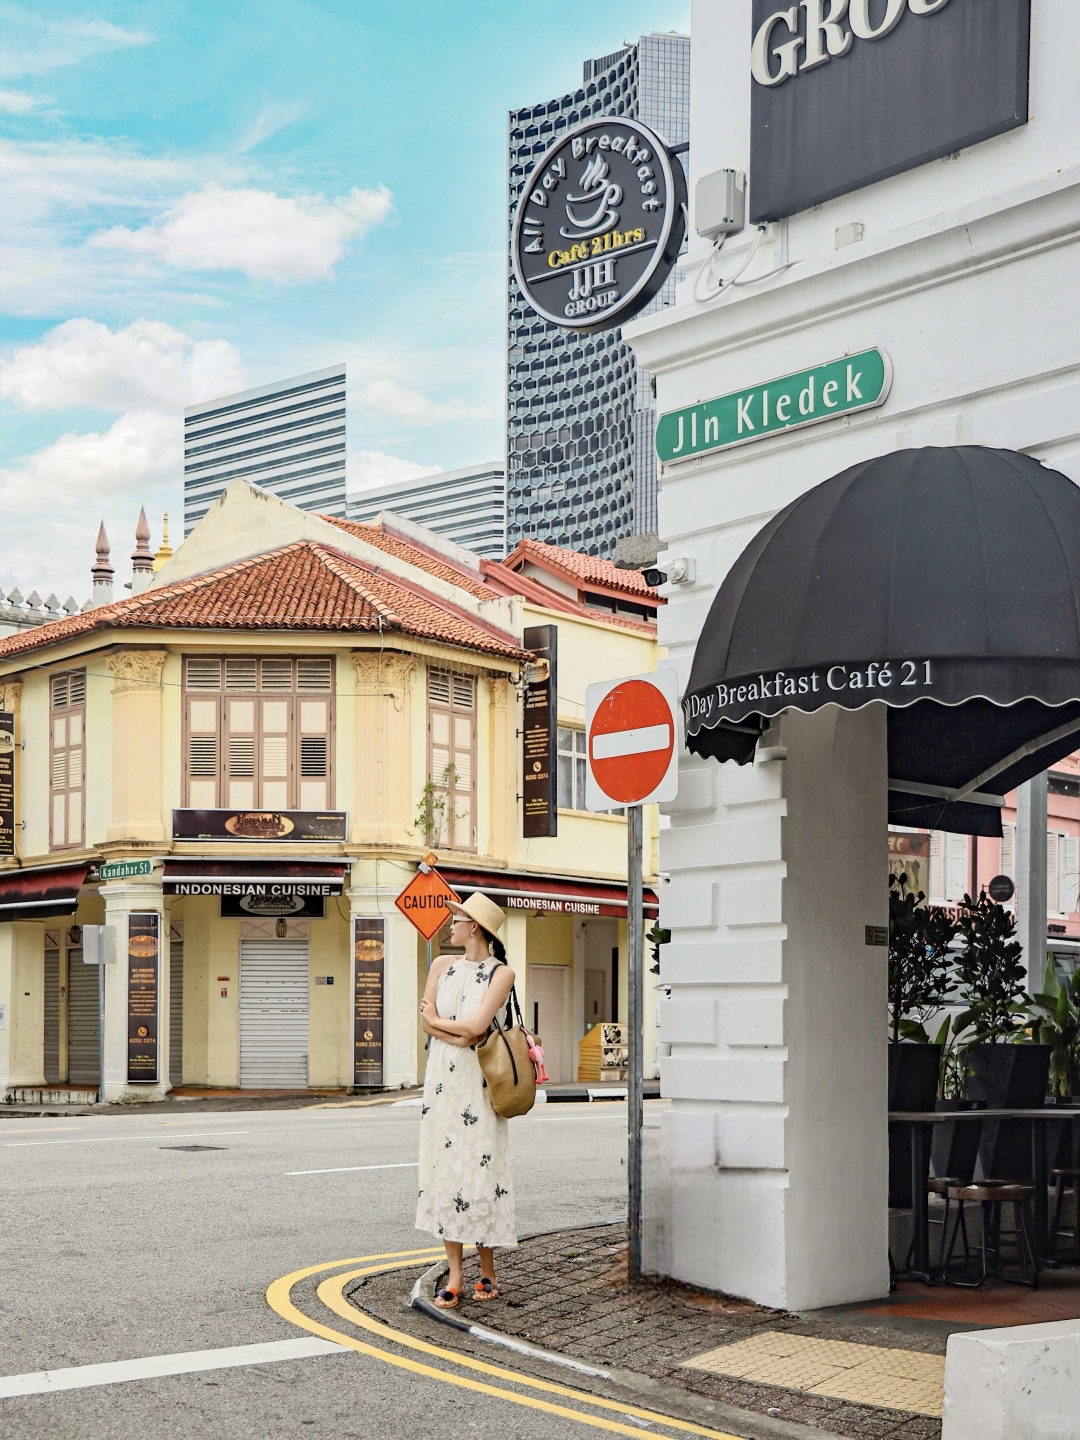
x=873 y=1371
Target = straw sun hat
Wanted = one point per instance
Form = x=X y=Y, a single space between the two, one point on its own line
x=479 y=908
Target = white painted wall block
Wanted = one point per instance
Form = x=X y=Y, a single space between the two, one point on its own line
x=697 y=791
x=723 y=962
x=751 y=1142
x=757 y=1021
x=687 y=1022
x=751 y=902
x=757 y=1080
x=751 y=784
x=741 y=842
x=1020 y=1383
x=688 y=907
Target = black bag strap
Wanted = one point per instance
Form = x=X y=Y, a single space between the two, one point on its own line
x=512 y=1007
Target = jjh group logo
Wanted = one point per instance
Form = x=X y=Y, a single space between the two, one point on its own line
x=599 y=224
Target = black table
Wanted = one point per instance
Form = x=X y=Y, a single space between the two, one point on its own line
x=922 y=1120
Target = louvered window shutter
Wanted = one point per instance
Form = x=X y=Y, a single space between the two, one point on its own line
x=464 y=762
x=1053 y=860
x=67 y=768
x=936 y=885
x=314 y=753
x=1008 y=851
x=956 y=881
x=239 y=750
x=1069 y=873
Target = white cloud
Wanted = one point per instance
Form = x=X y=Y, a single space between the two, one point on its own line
x=34 y=44
x=270 y=119
x=148 y=366
x=52 y=500
x=16 y=102
x=266 y=236
x=386 y=399
x=367 y=468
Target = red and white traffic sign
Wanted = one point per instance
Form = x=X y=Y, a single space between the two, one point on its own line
x=631 y=757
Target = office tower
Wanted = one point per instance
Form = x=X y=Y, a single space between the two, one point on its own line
x=288 y=437
x=467 y=506
x=581 y=468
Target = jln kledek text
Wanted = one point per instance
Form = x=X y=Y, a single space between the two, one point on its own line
x=855 y=382
x=898 y=677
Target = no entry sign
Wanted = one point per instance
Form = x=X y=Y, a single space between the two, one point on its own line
x=630 y=731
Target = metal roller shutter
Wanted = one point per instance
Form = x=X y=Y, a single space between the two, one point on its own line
x=274 y=1014
x=176 y=1012
x=83 y=1059
x=52 y=1017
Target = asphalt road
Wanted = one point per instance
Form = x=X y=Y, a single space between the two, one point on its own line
x=120 y=1244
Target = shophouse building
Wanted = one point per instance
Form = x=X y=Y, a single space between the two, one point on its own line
x=913 y=195
x=242 y=766
x=287 y=437
x=466 y=506
x=580 y=465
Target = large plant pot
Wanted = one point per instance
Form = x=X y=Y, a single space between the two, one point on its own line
x=913 y=1078
x=1007 y=1077
x=955 y=1148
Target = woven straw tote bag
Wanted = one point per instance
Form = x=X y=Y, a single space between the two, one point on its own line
x=508 y=1068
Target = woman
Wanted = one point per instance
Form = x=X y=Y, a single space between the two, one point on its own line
x=465 y=1189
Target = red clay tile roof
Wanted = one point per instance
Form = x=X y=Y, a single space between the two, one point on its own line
x=413 y=555
x=583 y=569
x=304 y=586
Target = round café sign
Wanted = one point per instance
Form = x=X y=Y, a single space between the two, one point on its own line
x=599 y=224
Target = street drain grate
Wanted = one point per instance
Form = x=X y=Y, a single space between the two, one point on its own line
x=192 y=1147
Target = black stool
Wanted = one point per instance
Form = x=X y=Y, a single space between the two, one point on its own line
x=1066 y=1177
x=992 y=1196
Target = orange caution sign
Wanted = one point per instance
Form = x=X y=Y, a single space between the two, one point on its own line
x=423 y=901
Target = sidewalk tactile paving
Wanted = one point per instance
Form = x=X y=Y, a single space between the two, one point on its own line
x=866 y=1374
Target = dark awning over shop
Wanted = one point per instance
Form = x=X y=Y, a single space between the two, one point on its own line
x=41 y=894
x=245 y=876
x=553 y=893
x=944 y=583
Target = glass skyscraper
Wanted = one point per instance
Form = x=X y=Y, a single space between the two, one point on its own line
x=580 y=464
x=467 y=506
x=289 y=438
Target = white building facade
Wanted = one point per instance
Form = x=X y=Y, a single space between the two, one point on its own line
x=466 y=506
x=771 y=1179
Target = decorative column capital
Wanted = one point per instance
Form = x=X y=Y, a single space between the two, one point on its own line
x=11 y=695
x=382 y=672
x=498 y=690
x=133 y=669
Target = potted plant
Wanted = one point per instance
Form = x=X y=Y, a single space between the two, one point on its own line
x=1055 y=1021
x=1001 y=1073
x=919 y=961
x=919 y=936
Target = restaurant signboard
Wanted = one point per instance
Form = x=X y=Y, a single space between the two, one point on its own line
x=7 y=782
x=807 y=397
x=538 y=733
x=369 y=965
x=599 y=224
x=264 y=825
x=143 y=970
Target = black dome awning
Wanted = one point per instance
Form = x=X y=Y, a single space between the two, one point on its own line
x=944 y=583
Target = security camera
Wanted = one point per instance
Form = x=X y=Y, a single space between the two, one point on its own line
x=653 y=577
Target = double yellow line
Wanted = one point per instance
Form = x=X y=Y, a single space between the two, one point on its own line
x=331 y=1294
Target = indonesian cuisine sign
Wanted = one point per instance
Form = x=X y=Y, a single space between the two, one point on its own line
x=840 y=387
x=599 y=224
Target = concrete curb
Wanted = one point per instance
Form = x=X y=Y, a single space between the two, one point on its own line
x=748 y=1423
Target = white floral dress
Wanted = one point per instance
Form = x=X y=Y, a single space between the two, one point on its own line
x=466 y=1192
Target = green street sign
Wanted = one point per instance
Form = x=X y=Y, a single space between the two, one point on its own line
x=840 y=387
x=124 y=869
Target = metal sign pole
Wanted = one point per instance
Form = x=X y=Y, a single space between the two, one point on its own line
x=429 y=957
x=634 y=1098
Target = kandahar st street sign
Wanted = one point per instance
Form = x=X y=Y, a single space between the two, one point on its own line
x=840 y=387
x=599 y=224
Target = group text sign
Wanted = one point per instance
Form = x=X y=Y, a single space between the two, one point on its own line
x=848 y=92
x=839 y=387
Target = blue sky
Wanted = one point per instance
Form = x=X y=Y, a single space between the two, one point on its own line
x=201 y=196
